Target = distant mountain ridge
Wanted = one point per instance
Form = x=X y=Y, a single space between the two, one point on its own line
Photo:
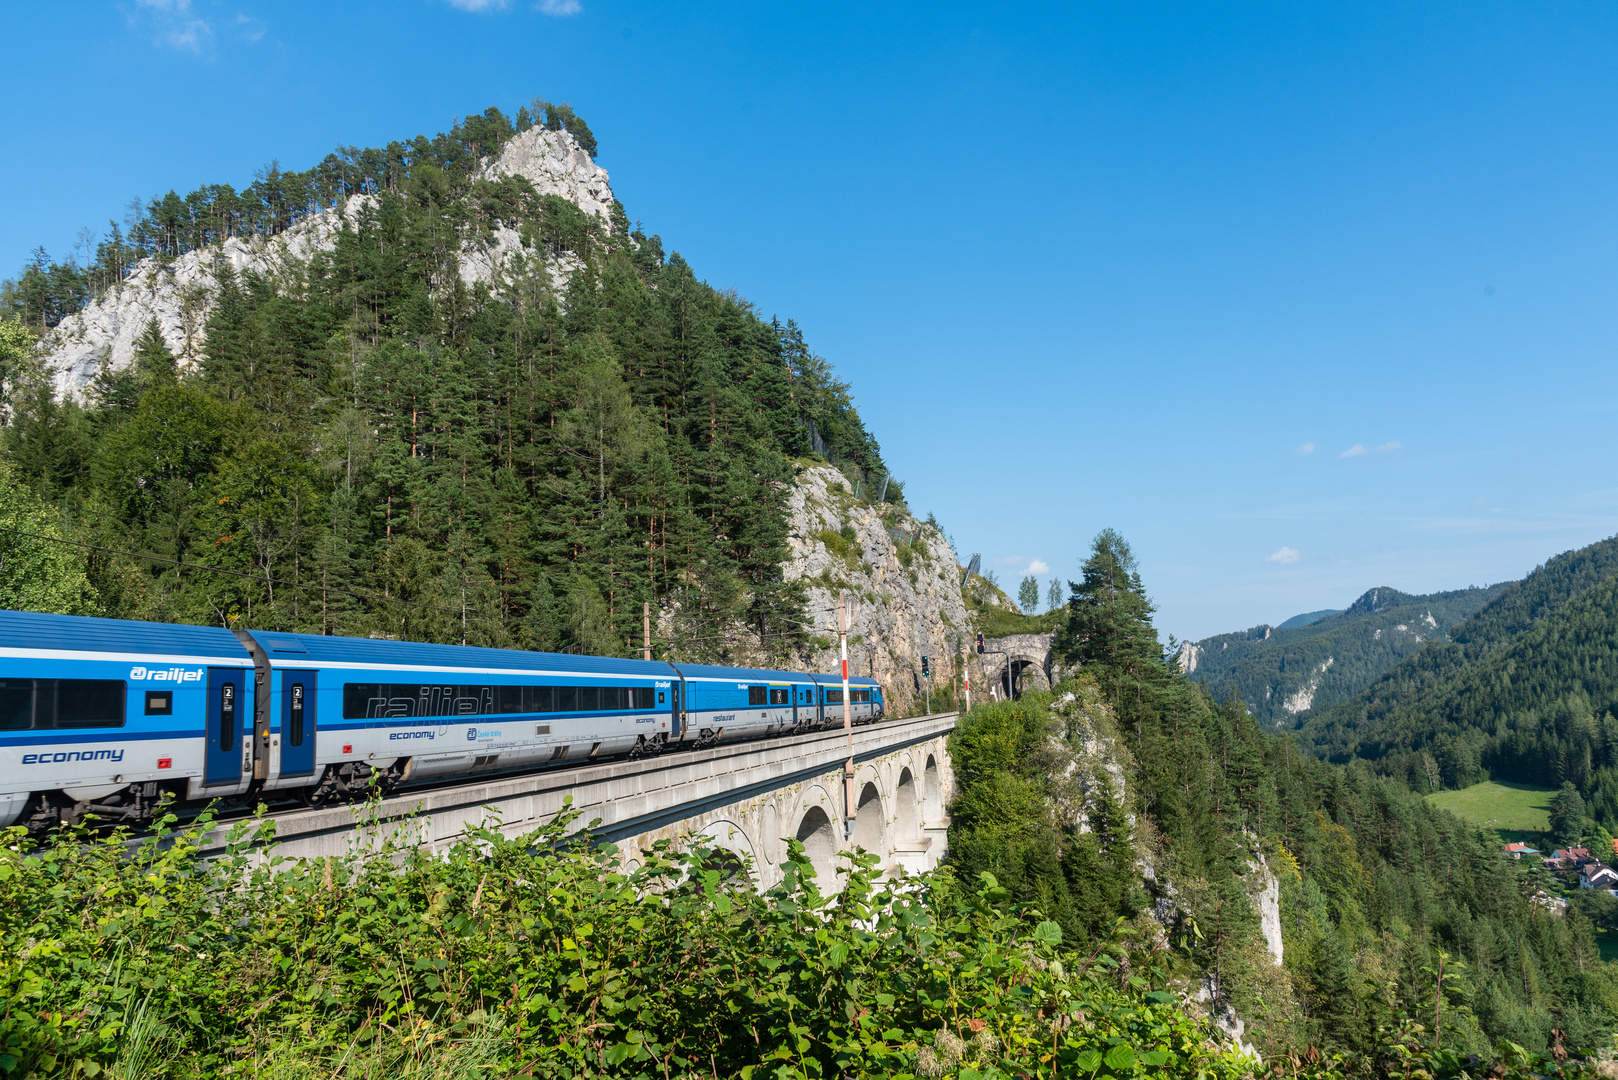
x=1526 y=690
x=1308 y=617
x=1314 y=661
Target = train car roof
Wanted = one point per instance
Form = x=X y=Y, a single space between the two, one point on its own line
x=834 y=679
x=742 y=674
x=32 y=630
x=316 y=650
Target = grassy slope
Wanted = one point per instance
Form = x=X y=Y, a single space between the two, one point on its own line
x=1515 y=811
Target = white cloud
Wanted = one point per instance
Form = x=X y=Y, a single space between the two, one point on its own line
x=177 y=25
x=1353 y=451
x=248 y=27
x=1284 y=556
x=560 y=7
x=1039 y=566
x=481 y=5
x=1389 y=447
x=1307 y=448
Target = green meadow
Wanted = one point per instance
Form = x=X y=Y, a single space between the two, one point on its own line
x=1515 y=811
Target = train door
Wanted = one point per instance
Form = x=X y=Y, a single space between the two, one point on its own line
x=675 y=695
x=297 y=723
x=226 y=709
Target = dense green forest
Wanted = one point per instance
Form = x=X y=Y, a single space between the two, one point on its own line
x=371 y=447
x=1066 y=795
x=1525 y=691
x=1289 y=671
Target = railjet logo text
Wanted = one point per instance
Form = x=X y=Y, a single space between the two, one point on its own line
x=141 y=674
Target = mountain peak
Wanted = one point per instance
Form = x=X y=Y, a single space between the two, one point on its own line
x=1379 y=599
x=179 y=293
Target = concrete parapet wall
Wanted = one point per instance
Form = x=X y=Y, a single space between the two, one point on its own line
x=747 y=797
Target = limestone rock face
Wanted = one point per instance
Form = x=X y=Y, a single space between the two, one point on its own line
x=1189 y=656
x=902 y=583
x=555 y=164
x=1268 y=902
x=180 y=294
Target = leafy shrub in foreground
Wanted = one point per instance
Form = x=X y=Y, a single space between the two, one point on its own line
x=536 y=956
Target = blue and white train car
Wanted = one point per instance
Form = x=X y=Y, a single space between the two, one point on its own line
x=112 y=713
x=105 y=716
x=339 y=709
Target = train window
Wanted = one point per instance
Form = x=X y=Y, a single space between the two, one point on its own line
x=61 y=703
x=160 y=703
x=295 y=721
x=16 y=704
x=383 y=701
x=778 y=695
x=834 y=695
x=861 y=695
x=756 y=695
x=660 y=697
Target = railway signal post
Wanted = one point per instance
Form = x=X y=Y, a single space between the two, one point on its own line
x=850 y=807
x=966 y=676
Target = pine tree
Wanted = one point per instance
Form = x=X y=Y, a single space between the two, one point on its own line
x=1567 y=814
x=154 y=364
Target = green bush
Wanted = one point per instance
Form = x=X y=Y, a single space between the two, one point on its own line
x=535 y=955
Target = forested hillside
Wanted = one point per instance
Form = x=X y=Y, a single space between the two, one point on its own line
x=368 y=444
x=1066 y=796
x=1526 y=691
x=1289 y=671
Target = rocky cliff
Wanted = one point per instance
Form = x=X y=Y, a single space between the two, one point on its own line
x=179 y=294
x=901 y=581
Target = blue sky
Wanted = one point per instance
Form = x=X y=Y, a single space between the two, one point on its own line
x=1303 y=299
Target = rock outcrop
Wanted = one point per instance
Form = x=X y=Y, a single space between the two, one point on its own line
x=180 y=293
x=901 y=581
x=1267 y=899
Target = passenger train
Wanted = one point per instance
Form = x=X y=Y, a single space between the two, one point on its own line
x=109 y=717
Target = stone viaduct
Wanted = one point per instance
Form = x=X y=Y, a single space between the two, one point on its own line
x=745 y=797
